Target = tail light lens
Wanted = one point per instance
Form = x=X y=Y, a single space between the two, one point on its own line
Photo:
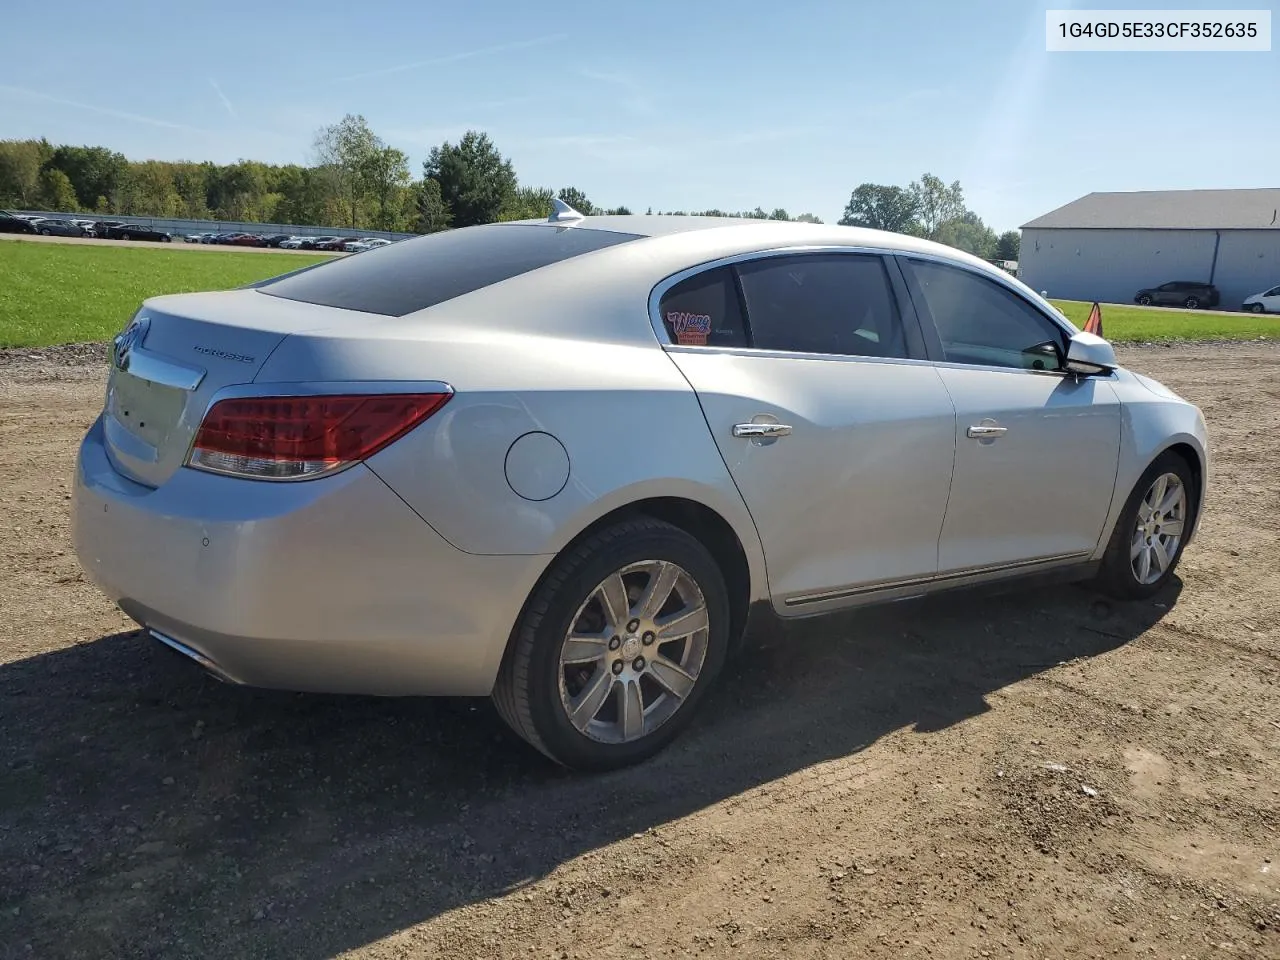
x=295 y=438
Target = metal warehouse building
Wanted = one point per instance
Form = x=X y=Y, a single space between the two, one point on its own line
x=1107 y=246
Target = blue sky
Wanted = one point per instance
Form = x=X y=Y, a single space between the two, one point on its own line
x=674 y=105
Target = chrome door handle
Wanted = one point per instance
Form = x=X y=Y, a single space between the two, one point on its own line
x=984 y=432
x=761 y=430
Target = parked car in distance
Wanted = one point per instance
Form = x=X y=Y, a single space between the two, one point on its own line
x=422 y=505
x=313 y=243
x=86 y=226
x=49 y=227
x=13 y=224
x=331 y=244
x=100 y=227
x=197 y=237
x=275 y=239
x=368 y=243
x=1179 y=293
x=300 y=243
x=1266 y=302
x=134 y=231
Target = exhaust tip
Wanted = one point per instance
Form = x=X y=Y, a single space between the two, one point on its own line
x=209 y=665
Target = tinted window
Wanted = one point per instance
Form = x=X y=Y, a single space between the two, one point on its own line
x=822 y=303
x=704 y=311
x=983 y=322
x=415 y=274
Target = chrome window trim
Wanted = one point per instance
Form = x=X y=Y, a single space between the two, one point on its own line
x=1035 y=302
x=660 y=289
x=796 y=355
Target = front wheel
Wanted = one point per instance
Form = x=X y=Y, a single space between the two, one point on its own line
x=125 y=236
x=1144 y=301
x=616 y=647
x=1151 y=531
x=1257 y=308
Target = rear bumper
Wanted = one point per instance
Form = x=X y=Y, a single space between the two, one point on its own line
x=330 y=585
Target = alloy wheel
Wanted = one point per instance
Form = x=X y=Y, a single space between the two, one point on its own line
x=634 y=651
x=1162 y=516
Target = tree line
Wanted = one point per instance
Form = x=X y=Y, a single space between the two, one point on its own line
x=355 y=179
x=932 y=209
x=358 y=180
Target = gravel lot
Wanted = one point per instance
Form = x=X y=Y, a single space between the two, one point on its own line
x=1039 y=774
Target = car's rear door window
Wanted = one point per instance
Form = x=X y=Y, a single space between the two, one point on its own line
x=840 y=304
x=412 y=275
x=704 y=311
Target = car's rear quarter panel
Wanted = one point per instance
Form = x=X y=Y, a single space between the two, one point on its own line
x=567 y=353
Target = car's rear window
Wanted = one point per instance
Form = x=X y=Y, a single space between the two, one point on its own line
x=415 y=274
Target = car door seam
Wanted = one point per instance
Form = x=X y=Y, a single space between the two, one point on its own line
x=706 y=419
x=955 y=443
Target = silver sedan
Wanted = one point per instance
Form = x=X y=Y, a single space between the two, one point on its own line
x=569 y=463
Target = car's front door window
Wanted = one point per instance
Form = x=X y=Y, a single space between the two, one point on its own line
x=982 y=322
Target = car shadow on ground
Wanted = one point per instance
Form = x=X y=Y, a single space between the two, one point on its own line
x=150 y=811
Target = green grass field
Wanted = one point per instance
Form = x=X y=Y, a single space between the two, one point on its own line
x=72 y=293
x=1124 y=324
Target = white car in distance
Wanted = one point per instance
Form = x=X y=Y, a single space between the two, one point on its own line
x=1266 y=302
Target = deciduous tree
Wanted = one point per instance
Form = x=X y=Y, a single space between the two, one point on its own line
x=880 y=207
x=935 y=203
x=345 y=150
x=433 y=213
x=578 y=200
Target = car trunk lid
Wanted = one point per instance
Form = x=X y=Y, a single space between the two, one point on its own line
x=175 y=355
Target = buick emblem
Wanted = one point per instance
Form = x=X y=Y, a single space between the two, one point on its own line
x=131 y=337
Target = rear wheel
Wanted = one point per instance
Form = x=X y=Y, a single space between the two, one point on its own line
x=1191 y=303
x=616 y=647
x=125 y=236
x=1152 y=530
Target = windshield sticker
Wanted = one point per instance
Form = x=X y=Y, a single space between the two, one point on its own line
x=691 y=329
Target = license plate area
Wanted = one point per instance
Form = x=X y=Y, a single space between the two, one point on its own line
x=149 y=411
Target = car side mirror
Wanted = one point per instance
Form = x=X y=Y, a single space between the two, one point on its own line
x=1088 y=354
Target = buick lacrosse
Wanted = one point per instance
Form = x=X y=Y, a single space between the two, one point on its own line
x=568 y=463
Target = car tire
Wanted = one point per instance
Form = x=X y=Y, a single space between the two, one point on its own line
x=1144 y=301
x=1121 y=574
x=1191 y=303
x=166 y=239
x=125 y=236
x=537 y=690
x=1257 y=308
x=45 y=233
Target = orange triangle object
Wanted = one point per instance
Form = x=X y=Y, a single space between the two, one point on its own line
x=1094 y=323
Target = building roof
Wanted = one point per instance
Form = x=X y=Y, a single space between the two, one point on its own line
x=1168 y=210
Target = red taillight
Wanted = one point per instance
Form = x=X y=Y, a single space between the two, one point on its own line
x=290 y=438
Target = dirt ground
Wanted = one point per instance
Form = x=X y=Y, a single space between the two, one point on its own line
x=1040 y=774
